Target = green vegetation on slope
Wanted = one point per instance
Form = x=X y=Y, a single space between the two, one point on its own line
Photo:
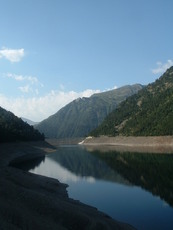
x=147 y=113
x=13 y=128
x=81 y=116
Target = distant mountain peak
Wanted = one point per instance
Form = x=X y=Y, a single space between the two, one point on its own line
x=82 y=115
x=28 y=121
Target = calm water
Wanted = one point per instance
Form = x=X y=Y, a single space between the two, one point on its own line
x=133 y=188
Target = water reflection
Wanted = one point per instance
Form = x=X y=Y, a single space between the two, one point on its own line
x=116 y=183
x=83 y=164
x=150 y=171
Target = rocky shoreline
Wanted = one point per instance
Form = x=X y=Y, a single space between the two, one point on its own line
x=29 y=201
x=148 y=144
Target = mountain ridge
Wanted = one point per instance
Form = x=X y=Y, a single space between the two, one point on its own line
x=82 y=115
x=147 y=113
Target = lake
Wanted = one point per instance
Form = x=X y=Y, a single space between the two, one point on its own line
x=136 y=188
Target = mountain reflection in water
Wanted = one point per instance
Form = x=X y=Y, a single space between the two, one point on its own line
x=84 y=164
x=153 y=172
x=116 y=183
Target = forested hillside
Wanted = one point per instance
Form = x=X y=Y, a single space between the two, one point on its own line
x=81 y=116
x=13 y=128
x=147 y=113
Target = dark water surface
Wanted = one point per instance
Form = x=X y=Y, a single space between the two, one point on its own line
x=136 y=188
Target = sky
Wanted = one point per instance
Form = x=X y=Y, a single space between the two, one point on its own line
x=54 y=51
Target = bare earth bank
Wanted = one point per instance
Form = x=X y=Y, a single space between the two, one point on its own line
x=152 y=144
x=29 y=201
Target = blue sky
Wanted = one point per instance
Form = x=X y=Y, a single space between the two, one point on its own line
x=53 y=51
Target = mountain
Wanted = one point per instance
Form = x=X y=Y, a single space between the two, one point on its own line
x=147 y=113
x=82 y=115
x=29 y=121
x=13 y=128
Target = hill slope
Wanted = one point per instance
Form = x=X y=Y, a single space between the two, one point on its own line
x=13 y=128
x=81 y=116
x=148 y=113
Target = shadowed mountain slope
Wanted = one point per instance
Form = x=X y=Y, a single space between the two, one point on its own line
x=82 y=115
x=13 y=128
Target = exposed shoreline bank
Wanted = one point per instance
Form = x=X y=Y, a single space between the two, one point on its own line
x=29 y=201
x=153 y=144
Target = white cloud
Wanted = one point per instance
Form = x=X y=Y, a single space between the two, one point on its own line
x=115 y=87
x=32 y=80
x=31 y=83
x=12 y=55
x=25 y=89
x=88 y=92
x=14 y=76
x=108 y=89
x=162 y=67
x=39 y=108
